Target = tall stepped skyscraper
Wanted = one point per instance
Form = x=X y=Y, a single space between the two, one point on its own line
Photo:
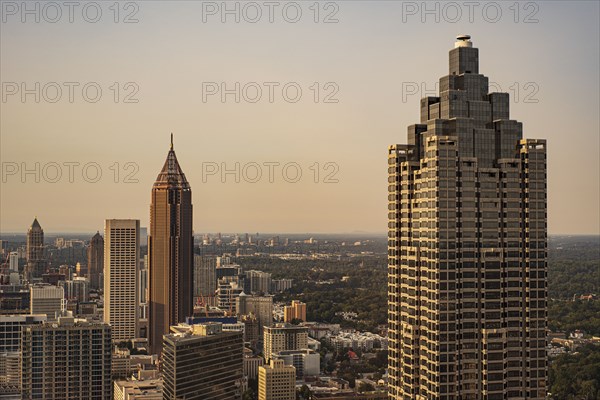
x=170 y=251
x=36 y=259
x=467 y=247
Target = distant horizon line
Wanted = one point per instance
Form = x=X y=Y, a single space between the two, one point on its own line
x=52 y=233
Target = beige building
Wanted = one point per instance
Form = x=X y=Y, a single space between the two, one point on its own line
x=121 y=255
x=282 y=337
x=251 y=364
x=150 y=389
x=276 y=381
x=46 y=299
x=467 y=247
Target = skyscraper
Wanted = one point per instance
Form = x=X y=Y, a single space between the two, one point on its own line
x=95 y=256
x=121 y=257
x=70 y=359
x=202 y=362
x=170 y=250
x=467 y=247
x=36 y=260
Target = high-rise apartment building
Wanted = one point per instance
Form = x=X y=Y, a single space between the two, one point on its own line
x=46 y=299
x=229 y=289
x=70 y=359
x=170 y=251
x=280 y=337
x=121 y=257
x=276 y=381
x=13 y=262
x=36 y=257
x=202 y=362
x=10 y=350
x=297 y=310
x=258 y=282
x=205 y=276
x=95 y=257
x=467 y=247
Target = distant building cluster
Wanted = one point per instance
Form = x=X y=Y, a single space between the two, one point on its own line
x=364 y=341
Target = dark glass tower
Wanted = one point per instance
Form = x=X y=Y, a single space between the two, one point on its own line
x=467 y=247
x=95 y=255
x=170 y=251
x=36 y=260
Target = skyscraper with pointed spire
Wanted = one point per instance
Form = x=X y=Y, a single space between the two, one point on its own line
x=170 y=251
x=36 y=261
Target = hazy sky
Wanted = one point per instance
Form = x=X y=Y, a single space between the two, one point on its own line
x=376 y=61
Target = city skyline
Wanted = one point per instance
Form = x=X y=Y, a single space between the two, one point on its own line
x=382 y=200
x=372 y=57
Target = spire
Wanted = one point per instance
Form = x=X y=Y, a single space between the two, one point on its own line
x=35 y=223
x=171 y=175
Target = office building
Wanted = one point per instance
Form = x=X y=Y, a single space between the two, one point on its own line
x=14 y=298
x=276 y=381
x=251 y=364
x=202 y=362
x=280 y=337
x=252 y=331
x=121 y=255
x=170 y=251
x=95 y=257
x=36 y=257
x=259 y=306
x=467 y=247
x=47 y=300
x=70 y=359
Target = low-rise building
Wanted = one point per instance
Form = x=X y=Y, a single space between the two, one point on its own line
x=305 y=361
x=138 y=390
